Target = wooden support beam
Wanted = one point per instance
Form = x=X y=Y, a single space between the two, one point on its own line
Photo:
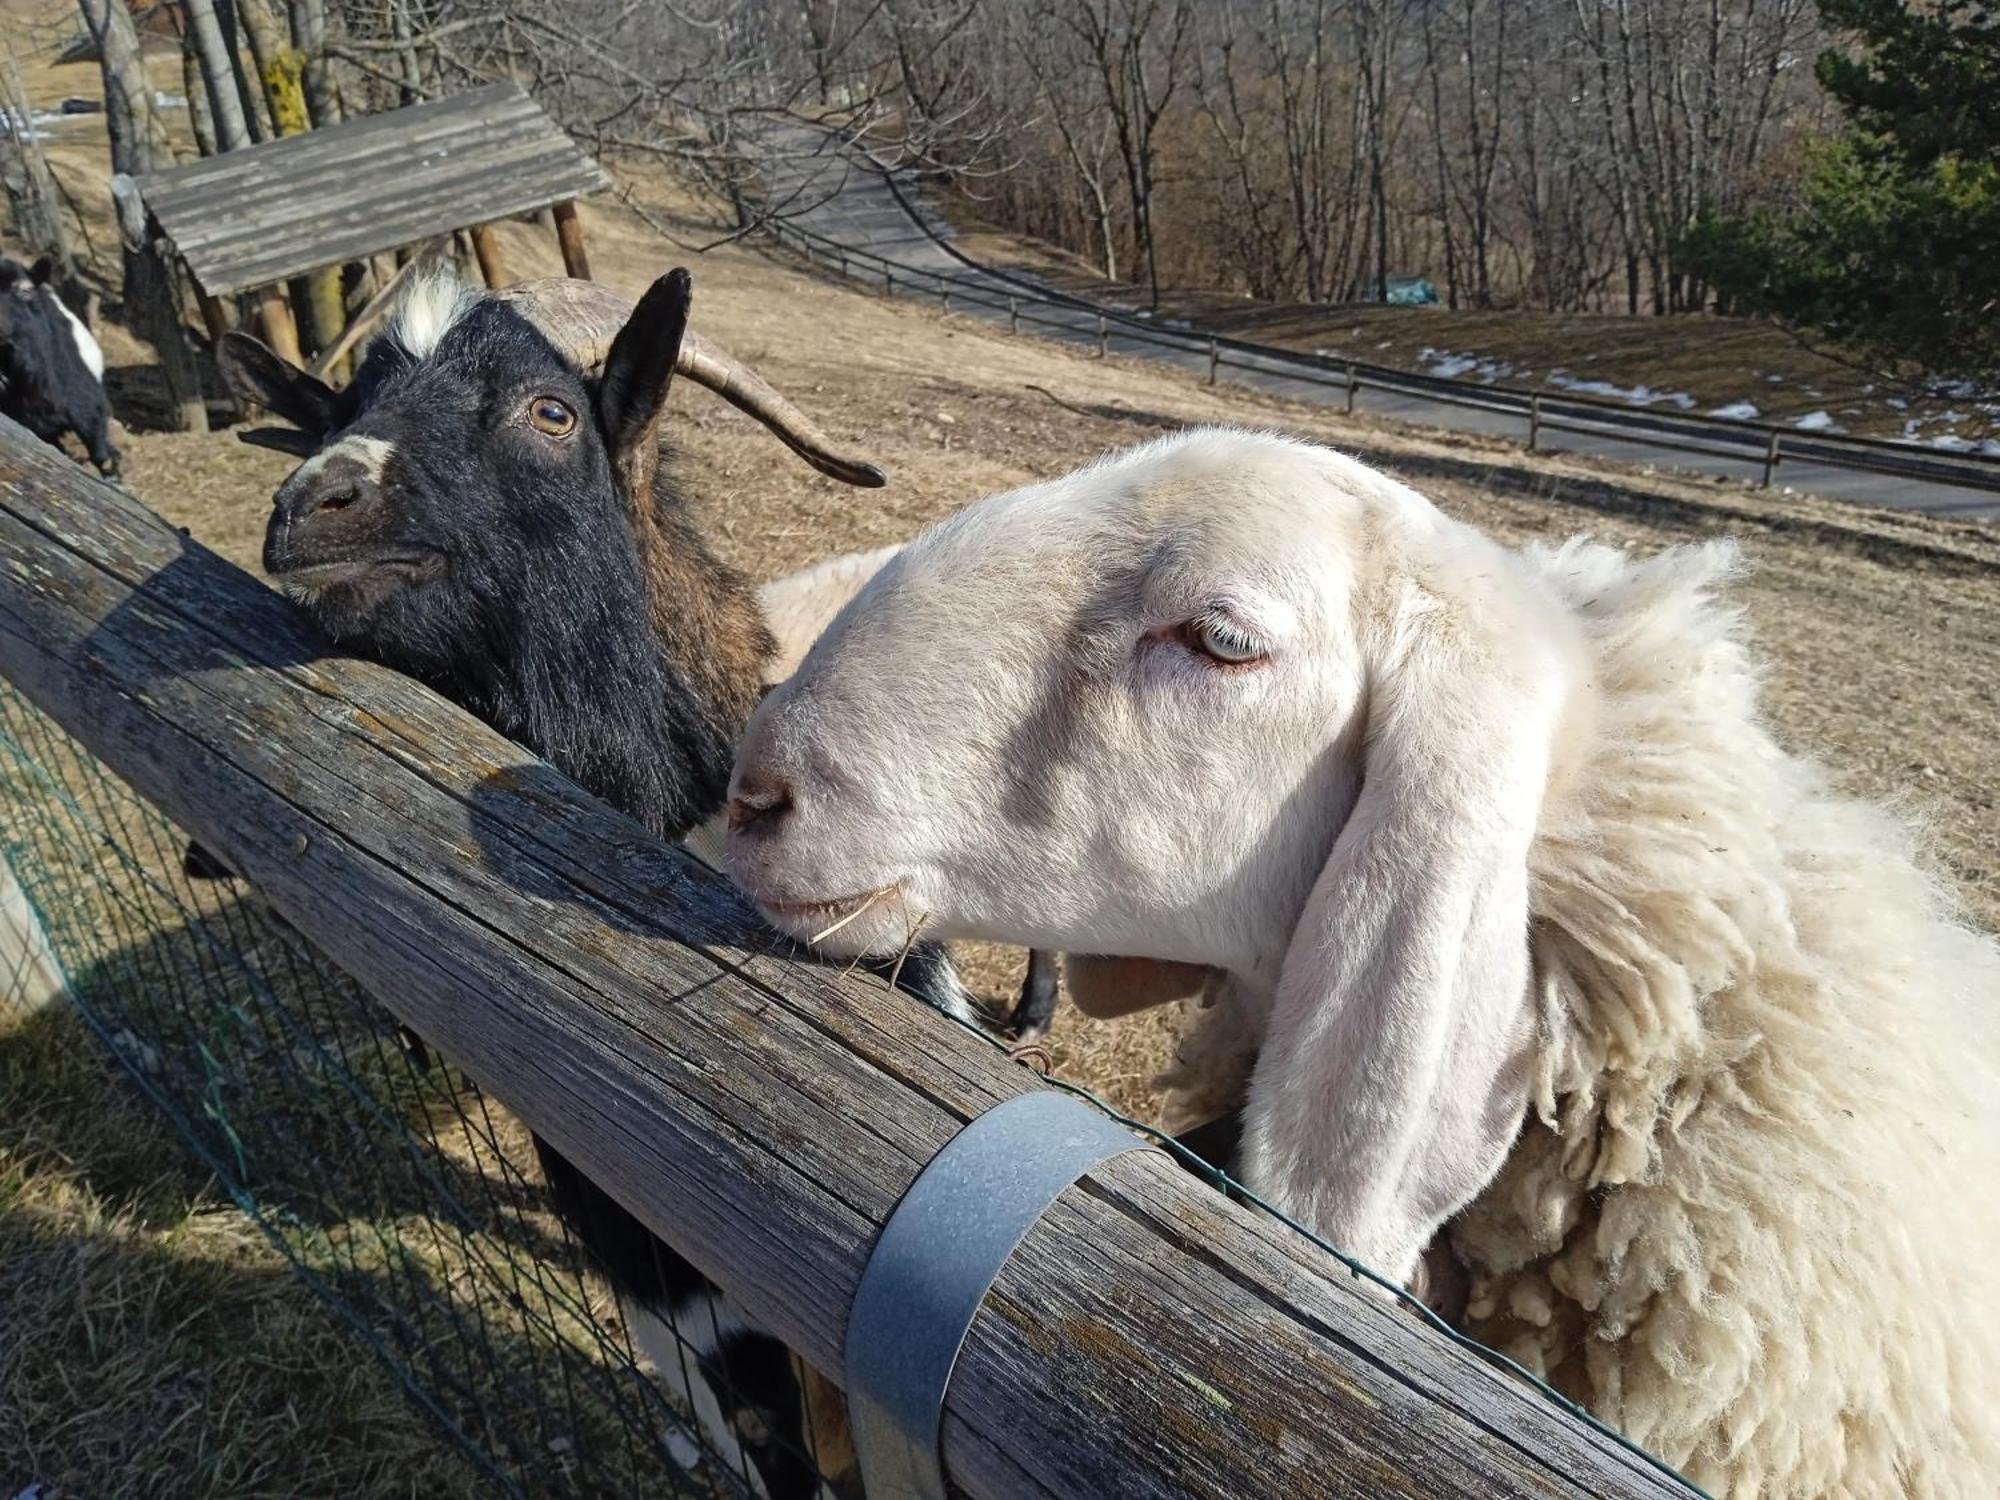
x=569 y=232
x=1149 y=1337
x=274 y=313
x=213 y=316
x=486 y=245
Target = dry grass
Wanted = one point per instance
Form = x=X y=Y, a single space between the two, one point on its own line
x=1715 y=361
x=1882 y=632
x=153 y=1342
x=1861 y=611
x=1882 y=628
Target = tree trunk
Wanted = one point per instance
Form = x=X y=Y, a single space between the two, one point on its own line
x=138 y=145
x=31 y=194
x=281 y=69
x=309 y=36
x=212 y=49
x=201 y=118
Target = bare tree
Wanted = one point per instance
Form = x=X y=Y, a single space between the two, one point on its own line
x=30 y=188
x=139 y=145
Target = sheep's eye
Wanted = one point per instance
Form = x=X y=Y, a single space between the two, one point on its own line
x=551 y=416
x=1223 y=641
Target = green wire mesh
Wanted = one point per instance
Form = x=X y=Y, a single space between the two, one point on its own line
x=404 y=1198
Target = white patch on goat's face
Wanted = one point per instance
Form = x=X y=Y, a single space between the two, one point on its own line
x=428 y=310
x=1015 y=727
x=370 y=454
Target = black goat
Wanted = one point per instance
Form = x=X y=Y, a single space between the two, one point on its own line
x=46 y=380
x=478 y=512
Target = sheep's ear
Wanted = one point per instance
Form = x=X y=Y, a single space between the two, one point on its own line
x=637 y=373
x=258 y=375
x=10 y=273
x=43 y=268
x=1393 y=1078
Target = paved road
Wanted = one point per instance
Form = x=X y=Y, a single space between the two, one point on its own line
x=852 y=205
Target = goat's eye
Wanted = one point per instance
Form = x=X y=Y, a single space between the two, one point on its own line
x=1223 y=641
x=551 y=416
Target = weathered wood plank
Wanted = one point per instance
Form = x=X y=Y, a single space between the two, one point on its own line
x=280 y=209
x=1150 y=1338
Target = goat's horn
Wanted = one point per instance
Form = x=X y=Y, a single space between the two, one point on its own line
x=583 y=318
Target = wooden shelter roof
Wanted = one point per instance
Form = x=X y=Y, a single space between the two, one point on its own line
x=262 y=214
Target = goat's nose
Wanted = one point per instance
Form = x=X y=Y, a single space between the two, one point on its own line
x=339 y=485
x=760 y=799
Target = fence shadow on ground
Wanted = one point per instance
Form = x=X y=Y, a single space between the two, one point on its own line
x=406 y=1200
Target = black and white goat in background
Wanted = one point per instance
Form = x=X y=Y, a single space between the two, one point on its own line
x=477 y=511
x=51 y=369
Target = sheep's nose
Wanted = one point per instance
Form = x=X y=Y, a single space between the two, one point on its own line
x=760 y=800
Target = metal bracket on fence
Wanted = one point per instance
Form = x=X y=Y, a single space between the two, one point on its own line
x=956 y=1226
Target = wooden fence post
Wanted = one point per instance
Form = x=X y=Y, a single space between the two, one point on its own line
x=1214 y=358
x=1103 y=337
x=274 y=312
x=1534 y=422
x=1771 y=456
x=569 y=234
x=486 y=246
x=1352 y=383
x=1013 y=315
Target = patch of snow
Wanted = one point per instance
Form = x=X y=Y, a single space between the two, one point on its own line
x=1737 y=411
x=1775 y=379
x=1897 y=402
x=1638 y=395
x=1455 y=366
x=14 y=127
x=1817 y=421
x=1176 y=323
x=164 y=100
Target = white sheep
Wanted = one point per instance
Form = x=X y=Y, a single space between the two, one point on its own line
x=1536 y=937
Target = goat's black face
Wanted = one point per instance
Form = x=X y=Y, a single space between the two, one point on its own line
x=453 y=483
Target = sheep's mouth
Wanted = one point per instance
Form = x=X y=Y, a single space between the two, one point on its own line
x=825 y=914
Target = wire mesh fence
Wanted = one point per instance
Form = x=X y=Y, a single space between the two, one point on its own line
x=405 y=1198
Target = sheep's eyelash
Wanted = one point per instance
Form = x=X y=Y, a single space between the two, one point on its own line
x=1186 y=635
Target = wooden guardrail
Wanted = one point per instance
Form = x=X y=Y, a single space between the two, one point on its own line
x=1148 y=1338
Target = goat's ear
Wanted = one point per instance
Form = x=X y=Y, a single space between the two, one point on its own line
x=1393 y=1077
x=637 y=372
x=10 y=273
x=257 y=374
x=280 y=440
x=43 y=268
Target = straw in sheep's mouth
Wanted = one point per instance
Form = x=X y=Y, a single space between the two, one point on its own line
x=840 y=910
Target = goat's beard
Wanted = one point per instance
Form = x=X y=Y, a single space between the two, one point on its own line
x=343 y=596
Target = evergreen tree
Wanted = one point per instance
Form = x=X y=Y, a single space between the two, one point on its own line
x=1894 y=244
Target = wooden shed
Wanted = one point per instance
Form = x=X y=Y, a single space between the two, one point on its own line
x=251 y=219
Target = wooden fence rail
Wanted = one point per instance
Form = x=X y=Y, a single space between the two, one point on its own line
x=1149 y=1338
